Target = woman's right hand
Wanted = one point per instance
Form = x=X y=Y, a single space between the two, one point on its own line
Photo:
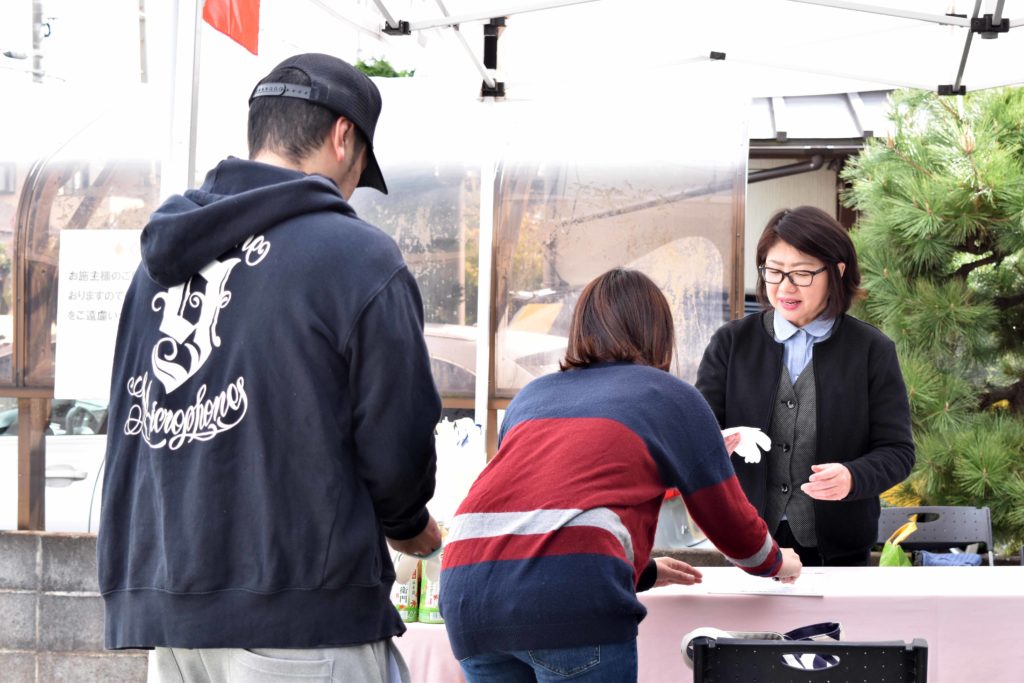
x=791 y=566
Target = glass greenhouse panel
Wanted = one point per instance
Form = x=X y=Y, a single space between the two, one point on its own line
x=585 y=193
x=433 y=213
x=432 y=147
x=105 y=177
x=94 y=172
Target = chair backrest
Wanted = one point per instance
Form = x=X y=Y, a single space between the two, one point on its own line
x=764 y=661
x=939 y=528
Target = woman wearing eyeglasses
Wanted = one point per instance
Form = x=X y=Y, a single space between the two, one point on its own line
x=826 y=387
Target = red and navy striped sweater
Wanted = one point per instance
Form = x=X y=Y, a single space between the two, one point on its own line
x=549 y=546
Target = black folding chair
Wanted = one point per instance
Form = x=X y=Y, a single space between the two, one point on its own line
x=940 y=528
x=781 y=661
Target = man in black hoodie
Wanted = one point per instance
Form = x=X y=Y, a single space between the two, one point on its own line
x=272 y=408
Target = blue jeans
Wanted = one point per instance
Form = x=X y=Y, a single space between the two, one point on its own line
x=615 y=663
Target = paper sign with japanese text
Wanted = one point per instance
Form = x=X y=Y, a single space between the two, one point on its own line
x=94 y=270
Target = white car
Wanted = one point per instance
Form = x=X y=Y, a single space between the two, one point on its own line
x=75 y=444
x=74 y=466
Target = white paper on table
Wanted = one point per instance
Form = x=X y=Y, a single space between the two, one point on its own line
x=751 y=440
x=810 y=584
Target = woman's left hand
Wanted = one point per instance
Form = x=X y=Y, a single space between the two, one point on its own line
x=731 y=442
x=671 y=570
x=830 y=481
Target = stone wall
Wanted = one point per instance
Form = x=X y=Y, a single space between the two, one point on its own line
x=51 y=613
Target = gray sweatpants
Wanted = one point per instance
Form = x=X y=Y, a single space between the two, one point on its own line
x=378 y=662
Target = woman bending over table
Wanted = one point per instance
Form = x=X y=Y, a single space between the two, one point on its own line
x=546 y=554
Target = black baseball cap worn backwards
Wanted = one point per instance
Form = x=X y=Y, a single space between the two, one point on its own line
x=340 y=87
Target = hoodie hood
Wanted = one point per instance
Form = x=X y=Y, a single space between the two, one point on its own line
x=238 y=199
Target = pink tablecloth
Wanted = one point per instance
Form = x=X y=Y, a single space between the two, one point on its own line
x=970 y=616
x=426 y=651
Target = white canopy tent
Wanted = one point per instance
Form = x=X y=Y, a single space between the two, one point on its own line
x=785 y=46
x=639 y=72
x=627 y=63
x=558 y=49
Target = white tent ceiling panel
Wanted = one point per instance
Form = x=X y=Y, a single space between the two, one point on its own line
x=784 y=46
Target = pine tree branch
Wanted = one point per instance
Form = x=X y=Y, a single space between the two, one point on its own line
x=976 y=249
x=1014 y=394
x=950 y=109
x=1006 y=302
x=981 y=244
x=910 y=161
x=963 y=271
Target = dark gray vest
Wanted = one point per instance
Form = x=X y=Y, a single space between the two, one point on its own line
x=793 y=430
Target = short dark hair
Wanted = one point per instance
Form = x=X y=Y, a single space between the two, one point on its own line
x=815 y=233
x=621 y=316
x=291 y=127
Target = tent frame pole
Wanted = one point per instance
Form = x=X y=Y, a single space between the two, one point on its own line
x=942 y=19
x=481 y=67
x=522 y=8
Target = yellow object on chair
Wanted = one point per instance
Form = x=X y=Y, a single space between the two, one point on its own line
x=892 y=553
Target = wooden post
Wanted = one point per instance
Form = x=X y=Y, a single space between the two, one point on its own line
x=33 y=415
x=739 y=214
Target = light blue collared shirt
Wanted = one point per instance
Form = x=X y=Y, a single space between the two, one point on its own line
x=798 y=342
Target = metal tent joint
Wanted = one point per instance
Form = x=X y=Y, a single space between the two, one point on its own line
x=492 y=32
x=401 y=28
x=989 y=27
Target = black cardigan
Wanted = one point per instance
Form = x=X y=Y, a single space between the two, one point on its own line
x=863 y=416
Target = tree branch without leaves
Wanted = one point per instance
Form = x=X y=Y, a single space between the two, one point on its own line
x=1005 y=302
x=1014 y=394
x=963 y=271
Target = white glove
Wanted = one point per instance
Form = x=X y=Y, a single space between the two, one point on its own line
x=751 y=438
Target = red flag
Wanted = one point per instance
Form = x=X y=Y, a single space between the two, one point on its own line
x=239 y=20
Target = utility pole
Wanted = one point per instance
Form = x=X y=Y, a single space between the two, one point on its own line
x=143 y=64
x=37 y=40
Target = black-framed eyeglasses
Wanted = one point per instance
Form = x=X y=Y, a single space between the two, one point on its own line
x=800 y=278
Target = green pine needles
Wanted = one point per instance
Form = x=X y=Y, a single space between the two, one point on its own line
x=940 y=240
x=382 y=68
